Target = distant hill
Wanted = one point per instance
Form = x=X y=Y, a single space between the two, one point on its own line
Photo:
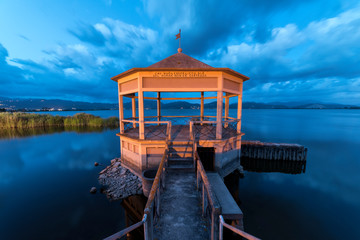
x=255 y=105
x=326 y=106
x=66 y=105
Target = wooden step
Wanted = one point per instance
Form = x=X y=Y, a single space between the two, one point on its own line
x=180 y=150
x=181 y=146
x=180 y=160
x=180 y=154
x=181 y=168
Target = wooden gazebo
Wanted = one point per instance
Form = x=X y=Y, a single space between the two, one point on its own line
x=143 y=138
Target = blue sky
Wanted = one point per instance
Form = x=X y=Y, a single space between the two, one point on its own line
x=292 y=50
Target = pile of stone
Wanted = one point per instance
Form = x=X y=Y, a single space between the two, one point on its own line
x=119 y=181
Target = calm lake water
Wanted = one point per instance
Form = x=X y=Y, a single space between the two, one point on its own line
x=45 y=180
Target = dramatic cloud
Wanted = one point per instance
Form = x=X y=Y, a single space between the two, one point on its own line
x=211 y=24
x=83 y=70
x=323 y=52
x=305 y=57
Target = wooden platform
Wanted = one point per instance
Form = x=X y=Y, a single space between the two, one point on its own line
x=180 y=210
x=229 y=208
x=273 y=151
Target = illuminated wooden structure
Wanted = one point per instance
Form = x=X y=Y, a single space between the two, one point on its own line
x=143 y=138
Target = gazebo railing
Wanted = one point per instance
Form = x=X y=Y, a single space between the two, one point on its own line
x=158 y=130
x=202 y=128
x=185 y=120
x=230 y=127
x=198 y=126
x=130 y=124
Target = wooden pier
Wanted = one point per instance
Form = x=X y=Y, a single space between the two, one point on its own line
x=273 y=151
x=187 y=202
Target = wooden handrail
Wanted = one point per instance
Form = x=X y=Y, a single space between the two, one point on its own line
x=130 y=121
x=155 y=186
x=156 y=122
x=127 y=230
x=208 y=197
x=212 y=198
x=147 y=220
x=235 y=230
x=204 y=121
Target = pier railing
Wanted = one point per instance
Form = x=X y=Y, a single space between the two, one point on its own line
x=152 y=207
x=233 y=229
x=211 y=208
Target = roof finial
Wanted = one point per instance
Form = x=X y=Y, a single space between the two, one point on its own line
x=178 y=36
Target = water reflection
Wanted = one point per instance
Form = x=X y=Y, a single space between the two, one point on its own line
x=11 y=163
x=45 y=182
x=26 y=132
x=134 y=210
x=276 y=208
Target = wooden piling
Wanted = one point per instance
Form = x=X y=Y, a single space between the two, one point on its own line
x=273 y=151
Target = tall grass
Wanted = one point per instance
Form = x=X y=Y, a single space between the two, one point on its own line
x=31 y=120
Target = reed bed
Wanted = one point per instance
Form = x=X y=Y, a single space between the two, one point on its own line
x=19 y=120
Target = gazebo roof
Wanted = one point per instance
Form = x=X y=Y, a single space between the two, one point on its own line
x=179 y=62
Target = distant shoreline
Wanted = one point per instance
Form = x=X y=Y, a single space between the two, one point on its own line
x=82 y=110
x=44 y=105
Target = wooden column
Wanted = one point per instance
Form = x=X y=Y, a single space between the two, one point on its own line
x=133 y=107
x=121 y=110
x=202 y=107
x=219 y=115
x=158 y=106
x=226 y=109
x=239 y=109
x=141 y=110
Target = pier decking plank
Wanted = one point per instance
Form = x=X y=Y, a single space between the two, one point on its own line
x=229 y=208
x=180 y=209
